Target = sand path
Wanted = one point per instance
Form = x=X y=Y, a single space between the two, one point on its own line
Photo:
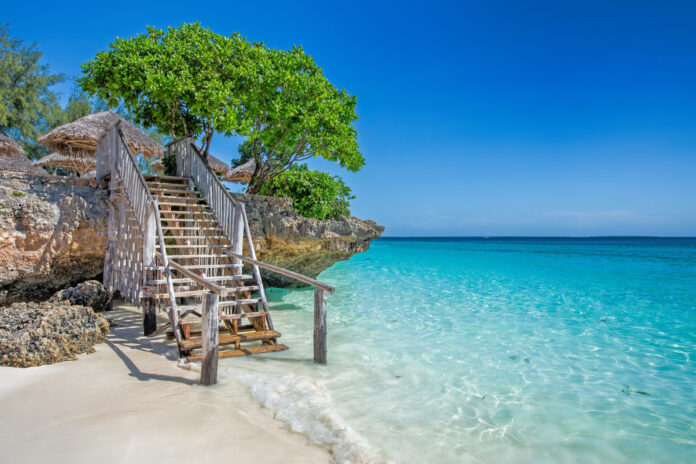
x=128 y=403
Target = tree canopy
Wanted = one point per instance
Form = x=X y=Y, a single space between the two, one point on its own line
x=182 y=81
x=189 y=80
x=295 y=114
x=28 y=106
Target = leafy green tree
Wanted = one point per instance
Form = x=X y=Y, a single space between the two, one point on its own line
x=28 y=107
x=79 y=105
x=314 y=194
x=185 y=80
x=189 y=80
x=293 y=113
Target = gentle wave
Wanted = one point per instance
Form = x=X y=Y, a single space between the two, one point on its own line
x=304 y=406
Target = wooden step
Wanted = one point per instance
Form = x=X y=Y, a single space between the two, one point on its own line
x=180 y=203
x=242 y=352
x=180 y=294
x=195 y=331
x=185 y=280
x=224 y=339
x=198 y=292
x=210 y=266
x=173 y=187
x=174 y=191
x=196 y=266
x=207 y=214
x=196 y=237
x=201 y=221
x=181 y=199
x=176 y=257
x=251 y=315
x=246 y=288
x=196 y=246
x=149 y=177
x=188 y=228
x=190 y=320
x=247 y=301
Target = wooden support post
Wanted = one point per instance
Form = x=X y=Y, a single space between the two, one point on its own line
x=209 y=325
x=150 y=238
x=238 y=236
x=319 y=326
x=149 y=316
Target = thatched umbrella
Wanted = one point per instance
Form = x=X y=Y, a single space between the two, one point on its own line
x=157 y=164
x=81 y=136
x=243 y=173
x=78 y=163
x=9 y=147
x=218 y=166
x=12 y=158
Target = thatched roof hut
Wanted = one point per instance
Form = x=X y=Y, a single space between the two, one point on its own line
x=78 y=163
x=81 y=136
x=218 y=166
x=9 y=147
x=157 y=164
x=17 y=163
x=12 y=158
x=243 y=173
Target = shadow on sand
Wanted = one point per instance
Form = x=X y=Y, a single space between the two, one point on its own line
x=126 y=333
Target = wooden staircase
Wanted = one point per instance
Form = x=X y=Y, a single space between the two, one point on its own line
x=196 y=243
x=179 y=242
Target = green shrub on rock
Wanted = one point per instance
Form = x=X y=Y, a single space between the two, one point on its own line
x=314 y=194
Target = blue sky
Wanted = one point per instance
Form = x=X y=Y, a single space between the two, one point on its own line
x=476 y=118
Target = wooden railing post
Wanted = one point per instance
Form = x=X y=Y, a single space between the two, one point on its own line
x=210 y=335
x=238 y=236
x=149 y=316
x=319 y=326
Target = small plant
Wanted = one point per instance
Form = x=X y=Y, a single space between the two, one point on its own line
x=17 y=193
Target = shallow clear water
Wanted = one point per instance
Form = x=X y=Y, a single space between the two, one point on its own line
x=494 y=350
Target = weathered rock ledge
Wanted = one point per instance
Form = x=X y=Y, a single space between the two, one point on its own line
x=53 y=235
x=32 y=334
x=305 y=245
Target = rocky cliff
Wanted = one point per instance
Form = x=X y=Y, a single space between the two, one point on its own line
x=53 y=233
x=305 y=245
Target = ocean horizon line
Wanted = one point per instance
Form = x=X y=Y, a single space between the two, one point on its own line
x=538 y=236
x=545 y=237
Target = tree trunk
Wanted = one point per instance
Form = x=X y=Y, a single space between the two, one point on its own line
x=254 y=187
x=257 y=180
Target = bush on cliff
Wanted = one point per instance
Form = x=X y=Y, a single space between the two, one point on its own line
x=314 y=194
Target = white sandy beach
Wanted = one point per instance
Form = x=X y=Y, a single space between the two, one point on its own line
x=129 y=403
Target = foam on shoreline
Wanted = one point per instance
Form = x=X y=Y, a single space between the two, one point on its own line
x=304 y=406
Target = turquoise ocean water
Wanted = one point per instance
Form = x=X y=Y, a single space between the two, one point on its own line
x=493 y=350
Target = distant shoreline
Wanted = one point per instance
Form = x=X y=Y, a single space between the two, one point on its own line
x=533 y=237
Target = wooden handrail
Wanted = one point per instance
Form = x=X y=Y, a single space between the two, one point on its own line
x=200 y=280
x=133 y=160
x=217 y=180
x=283 y=271
x=152 y=203
x=270 y=267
